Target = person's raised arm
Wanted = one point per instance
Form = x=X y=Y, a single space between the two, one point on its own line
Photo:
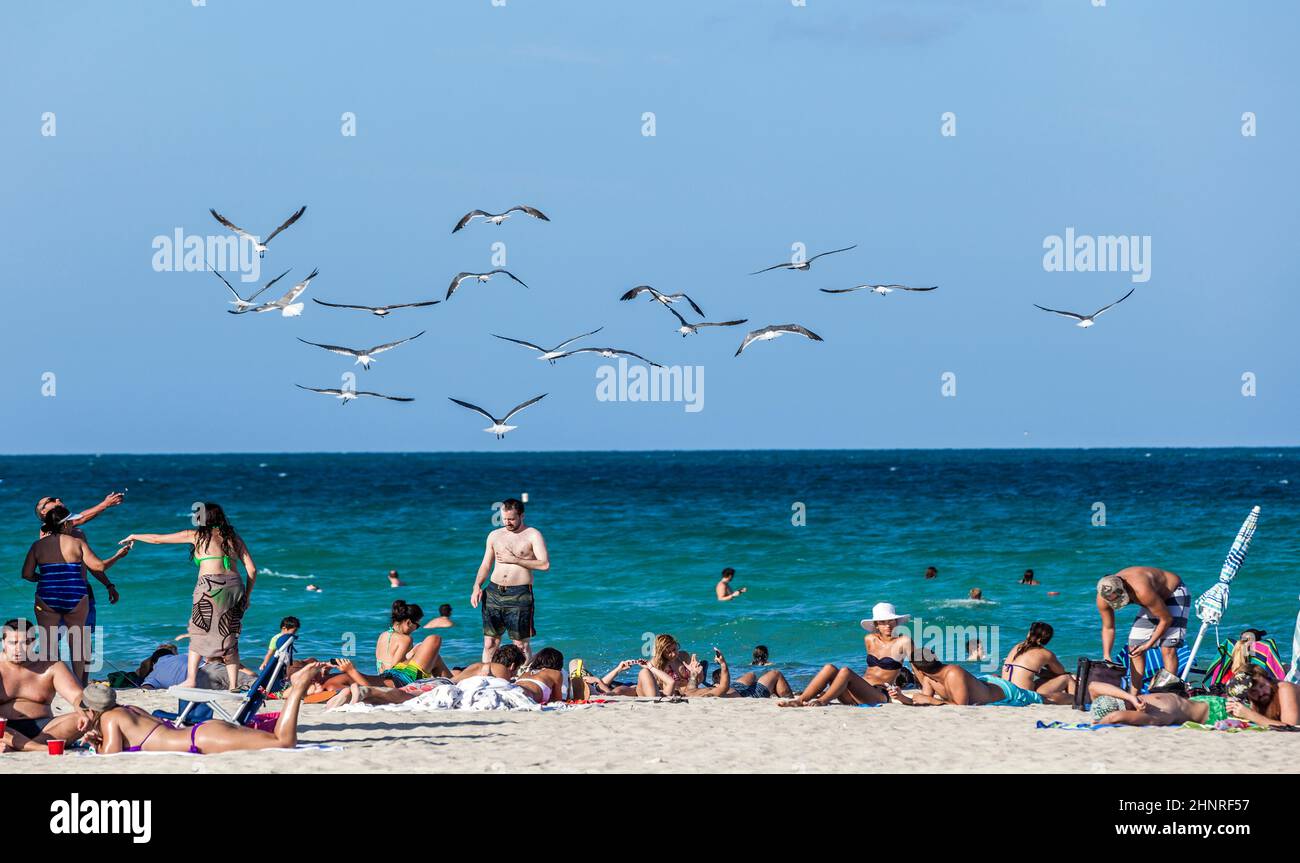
x=180 y=536
x=90 y=514
x=1107 y=627
x=484 y=567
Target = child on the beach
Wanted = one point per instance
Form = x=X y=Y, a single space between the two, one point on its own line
x=288 y=626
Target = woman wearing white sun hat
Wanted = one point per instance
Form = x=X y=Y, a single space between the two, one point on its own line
x=885 y=655
x=886 y=650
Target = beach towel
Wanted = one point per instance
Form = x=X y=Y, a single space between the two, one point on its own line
x=1225 y=725
x=472 y=693
x=301 y=747
x=1058 y=725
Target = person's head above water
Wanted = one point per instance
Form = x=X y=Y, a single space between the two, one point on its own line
x=760 y=654
x=1113 y=591
x=512 y=514
x=1027 y=577
x=406 y=618
x=444 y=610
x=976 y=593
x=931 y=572
x=728 y=574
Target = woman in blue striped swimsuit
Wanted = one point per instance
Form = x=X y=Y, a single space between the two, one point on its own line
x=57 y=563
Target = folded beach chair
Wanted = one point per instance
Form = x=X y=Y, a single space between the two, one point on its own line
x=196 y=705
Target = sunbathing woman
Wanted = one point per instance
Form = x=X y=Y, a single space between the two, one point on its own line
x=886 y=652
x=115 y=728
x=609 y=685
x=1263 y=700
x=838 y=684
x=666 y=672
x=542 y=678
x=1030 y=665
x=398 y=661
x=942 y=683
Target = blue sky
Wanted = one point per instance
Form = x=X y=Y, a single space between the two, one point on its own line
x=775 y=124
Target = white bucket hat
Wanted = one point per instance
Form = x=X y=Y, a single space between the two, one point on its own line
x=884 y=611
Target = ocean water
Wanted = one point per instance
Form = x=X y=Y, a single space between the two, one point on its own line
x=637 y=541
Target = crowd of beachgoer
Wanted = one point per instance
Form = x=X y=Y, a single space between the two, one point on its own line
x=62 y=563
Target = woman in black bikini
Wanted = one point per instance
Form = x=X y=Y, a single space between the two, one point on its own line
x=886 y=651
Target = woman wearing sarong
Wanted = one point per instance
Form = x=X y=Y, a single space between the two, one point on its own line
x=220 y=596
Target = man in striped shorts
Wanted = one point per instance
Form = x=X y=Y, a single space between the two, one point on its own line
x=1162 y=622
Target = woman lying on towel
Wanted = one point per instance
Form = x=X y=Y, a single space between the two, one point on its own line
x=1264 y=701
x=504 y=665
x=116 y=728
x=942 y=683
x=542 y=678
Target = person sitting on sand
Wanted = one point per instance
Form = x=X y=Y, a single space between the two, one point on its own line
x=1114 y=706
x=364 y=689
x=839 y=684
x=666 y=672
x=288 y=626
x=748 y=685
x=543 y=678
x=28 y=685
x=723 y=587
x=1030 y=665
x=443 y=620
x=115 y=728
x=942 y=683
x=1162 y=622
x=1263 y=700
x=760 y=656
x=609 y=684
x=399 y=658
x=1028 y=578
x=886 y=651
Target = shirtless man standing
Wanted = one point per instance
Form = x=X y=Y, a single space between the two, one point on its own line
x=27 y=689
x=514 y=552
x=1163 y=621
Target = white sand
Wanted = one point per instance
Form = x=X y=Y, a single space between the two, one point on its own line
x=711 y=735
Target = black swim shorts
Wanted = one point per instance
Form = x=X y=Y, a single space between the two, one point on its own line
x=507 y=610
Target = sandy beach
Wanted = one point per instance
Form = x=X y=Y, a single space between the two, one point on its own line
x=709 y=735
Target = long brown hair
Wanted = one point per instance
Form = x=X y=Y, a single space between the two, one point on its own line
x=1039 y=634
x=664 y=644
x=212 y=520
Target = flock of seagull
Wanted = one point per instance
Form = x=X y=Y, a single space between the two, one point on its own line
x=288 y=306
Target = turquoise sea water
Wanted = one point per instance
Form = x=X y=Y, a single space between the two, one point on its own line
x=637 y=541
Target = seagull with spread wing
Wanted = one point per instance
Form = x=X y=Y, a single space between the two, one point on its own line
x=660 y=297
x=549 y=354
x=482 y=277
x=499 y=427
x=1086 y=321
x=364 y=357
x=803 y=265
x=498 y=218
x=610 y=353
x=348 y=395
x=259 y=246
x=875 y=289
x=242 y=305
x=379 y=311
x=688 y=328
x=766 y=334
x=285 y=305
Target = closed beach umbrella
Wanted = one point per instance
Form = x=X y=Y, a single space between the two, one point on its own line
x=1211 y=604
x=1294 y=675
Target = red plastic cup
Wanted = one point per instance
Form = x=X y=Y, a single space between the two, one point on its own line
x=2 y=725
x=55 y=747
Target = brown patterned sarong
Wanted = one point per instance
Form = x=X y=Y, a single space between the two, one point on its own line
x=217 y=616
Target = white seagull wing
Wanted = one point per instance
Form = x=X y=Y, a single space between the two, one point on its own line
x=476 y=409
x=287 y=222
x=1116 y=303
x=532 y=211
x=229 y=224
x=517 y=408
x=467 y=218
x=1075 y=315
x=831 y=252
x=335 y=349
x=561 y=345
x=379 y=349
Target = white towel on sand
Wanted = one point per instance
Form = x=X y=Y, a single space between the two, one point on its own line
x=472 y=693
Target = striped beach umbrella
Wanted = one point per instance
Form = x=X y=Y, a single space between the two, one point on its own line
x=1211 y=604
x=1294 y=675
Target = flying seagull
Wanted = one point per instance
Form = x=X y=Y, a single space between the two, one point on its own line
x=551 y=354
x=261 y=247
x=687 y=328
x=766 y=334
x=609 y=353
x=875 y=289
x=663 y=298
x=380 y=311
x=348 y=395
x=239 y=302
x=499 y=427
x=1086 y=321
x=482 y=277
x=286 y=305
x=365 y=357
x=498 y=218
x=802 y=265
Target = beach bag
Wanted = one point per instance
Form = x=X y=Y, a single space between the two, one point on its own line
x=1094 y=671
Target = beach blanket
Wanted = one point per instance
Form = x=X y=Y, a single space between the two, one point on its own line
x=1225 y=725
x=301 y=747
x=472 y=693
